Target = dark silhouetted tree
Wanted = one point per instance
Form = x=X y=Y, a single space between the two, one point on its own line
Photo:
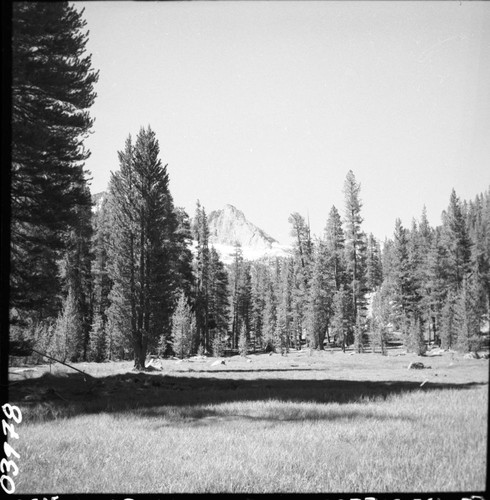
x=201 y=271
x=218 y=304
x=52 y=91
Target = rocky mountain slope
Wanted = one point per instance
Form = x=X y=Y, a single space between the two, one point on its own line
x=97 y=200
x=229 y=226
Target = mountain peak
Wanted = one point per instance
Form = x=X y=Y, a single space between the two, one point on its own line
x=229 y=226
x=232 y=210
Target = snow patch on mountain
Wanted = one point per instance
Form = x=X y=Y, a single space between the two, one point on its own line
x=98 y=200
x=227 y=252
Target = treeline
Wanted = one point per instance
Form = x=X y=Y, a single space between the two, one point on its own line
x=429 y=284
x=126 y=279
x=132 y=285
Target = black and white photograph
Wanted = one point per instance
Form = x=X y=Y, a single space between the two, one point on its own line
x=246 y=248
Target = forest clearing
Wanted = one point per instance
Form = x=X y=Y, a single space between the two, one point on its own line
x=309 y=421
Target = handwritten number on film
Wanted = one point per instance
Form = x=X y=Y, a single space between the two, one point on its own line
x=9 y=466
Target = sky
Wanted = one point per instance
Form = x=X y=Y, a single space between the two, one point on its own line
x=268 y=105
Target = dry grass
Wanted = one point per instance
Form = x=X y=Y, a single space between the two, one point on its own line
x=301 y=423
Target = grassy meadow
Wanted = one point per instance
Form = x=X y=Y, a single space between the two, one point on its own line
x=306 y=422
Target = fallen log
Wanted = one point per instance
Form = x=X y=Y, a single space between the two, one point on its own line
x=63 y=363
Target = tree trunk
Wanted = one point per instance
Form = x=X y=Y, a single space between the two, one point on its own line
x=434 y=329
x=139 y=353
x=327 y=333
x=321 y=340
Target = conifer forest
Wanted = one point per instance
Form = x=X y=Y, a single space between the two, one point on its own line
x=125 y=280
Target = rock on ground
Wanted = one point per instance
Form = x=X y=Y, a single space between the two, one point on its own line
x=416 y=365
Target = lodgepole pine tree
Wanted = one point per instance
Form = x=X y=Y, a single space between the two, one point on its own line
x=455 y=239
x=183 y=325
x=98 y=340
x=218 y=301
x=401 y=274
x=52 y=91
x=436 y=284
x=201 y=271
x=236 y=271
x=118 y=327
x=335 y=248
x=381 y=317
x=449 y=333
x=101 y=283
x=359 y=334
x=241 y=295
x=416 y=341
x=416 y=277
x=245 y=297
x=355 y=246
x=340 y=319
x=67 y=342
x=479 y=229
x=183 y=242
x=269 y=315
x=243 y=341
x=258 y=278
x=283 y=312
x=302 y=263
x=467 y=316
x=425 y=236
x=77 y=277
x=143 y=249
x=374 y=270
x=303 y=246
x=319 y=310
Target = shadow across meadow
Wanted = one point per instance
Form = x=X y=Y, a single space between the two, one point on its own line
x=197 y=416
x=63 y=396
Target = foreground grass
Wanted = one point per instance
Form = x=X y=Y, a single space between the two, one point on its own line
x=241 y=429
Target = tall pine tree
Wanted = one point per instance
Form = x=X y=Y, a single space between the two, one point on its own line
x=457 y=242
x=143 y=249
x=218 y=299
x=355 y=247
x=52 y=91
x=201 y=271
